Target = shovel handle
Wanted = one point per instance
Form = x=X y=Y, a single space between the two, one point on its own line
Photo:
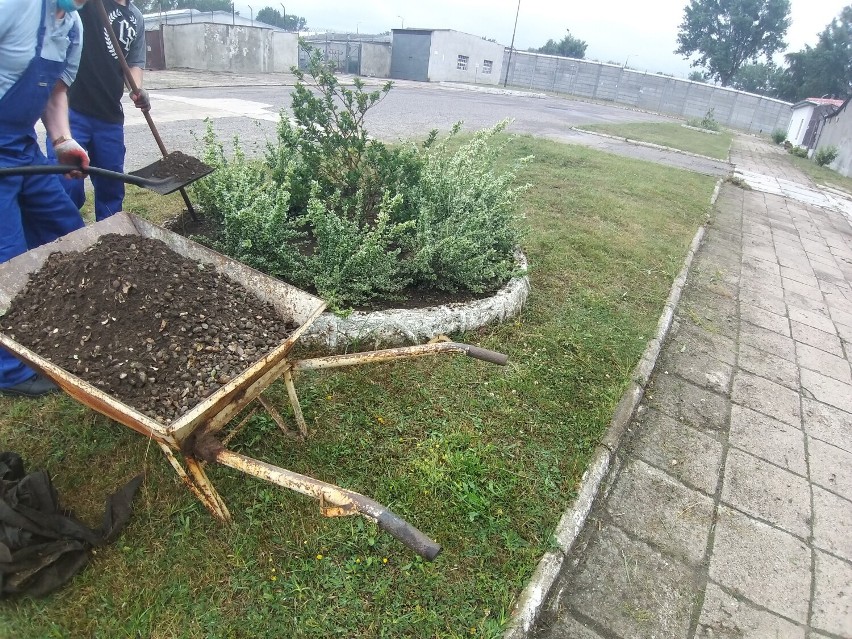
x=49 y=169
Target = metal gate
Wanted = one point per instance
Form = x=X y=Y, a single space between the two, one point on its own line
x=155 y=58
x=410 y=55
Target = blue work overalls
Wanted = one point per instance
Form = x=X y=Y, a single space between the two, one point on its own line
x=33 y=209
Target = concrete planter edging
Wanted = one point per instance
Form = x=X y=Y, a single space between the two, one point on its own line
x=400 y=327
x=528 y=607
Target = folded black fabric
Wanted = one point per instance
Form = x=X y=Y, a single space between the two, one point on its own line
x=42 y=545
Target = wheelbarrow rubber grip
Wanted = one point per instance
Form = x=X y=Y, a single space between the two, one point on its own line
x=487 y=356
x=408 y=535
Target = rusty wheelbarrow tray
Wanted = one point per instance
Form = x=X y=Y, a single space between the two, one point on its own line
x=193 y=438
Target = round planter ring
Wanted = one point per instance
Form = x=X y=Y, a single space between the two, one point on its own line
x=402 y=327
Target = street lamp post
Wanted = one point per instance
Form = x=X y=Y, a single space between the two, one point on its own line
x=251 y=14
x=284 y=15
x=401 y=22
x=512 y=46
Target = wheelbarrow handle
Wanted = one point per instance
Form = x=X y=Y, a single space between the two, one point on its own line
x=487 y=356
x=408 y=535
x=50 y=169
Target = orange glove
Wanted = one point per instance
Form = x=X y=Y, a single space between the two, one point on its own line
x=69 y=152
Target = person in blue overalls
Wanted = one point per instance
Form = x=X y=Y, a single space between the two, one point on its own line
x=40 y=42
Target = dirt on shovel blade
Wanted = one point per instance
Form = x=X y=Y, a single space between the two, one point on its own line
x=153 y=329
x=177 y=165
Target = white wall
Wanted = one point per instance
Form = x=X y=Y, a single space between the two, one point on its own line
x=219 y=47
x=837 y=132
x=285 y=51
x=446 y=48
x=376 y=59
x=799 y=124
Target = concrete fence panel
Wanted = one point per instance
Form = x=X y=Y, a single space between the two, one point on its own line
x=646 y=91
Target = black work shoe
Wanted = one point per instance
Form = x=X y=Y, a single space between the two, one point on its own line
x=35 y=386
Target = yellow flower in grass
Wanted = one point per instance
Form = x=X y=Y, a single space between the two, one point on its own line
x=319 y=557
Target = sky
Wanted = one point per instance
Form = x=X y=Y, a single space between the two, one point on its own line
x=642 y=34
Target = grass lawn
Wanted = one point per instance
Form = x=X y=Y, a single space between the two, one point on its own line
x=670 y=134
x=822 y=174
x=483 y=459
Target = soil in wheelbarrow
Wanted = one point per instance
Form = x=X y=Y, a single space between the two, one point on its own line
x=151 y=328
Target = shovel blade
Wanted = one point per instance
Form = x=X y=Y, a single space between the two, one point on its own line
x=171 y=173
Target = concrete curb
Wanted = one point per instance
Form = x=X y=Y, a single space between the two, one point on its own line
x=649 y=145
x=700 y=130
x=530 y=602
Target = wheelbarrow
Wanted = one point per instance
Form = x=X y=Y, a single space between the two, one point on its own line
x=194 y=438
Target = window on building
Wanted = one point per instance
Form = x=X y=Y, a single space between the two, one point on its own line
x=487 y=65
x=461 y=65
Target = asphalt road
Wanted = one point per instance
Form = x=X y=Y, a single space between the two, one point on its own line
x=409 y=111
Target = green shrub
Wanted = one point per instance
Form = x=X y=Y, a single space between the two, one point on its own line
x=467 y=227
x=332 y=142
x=251 y=213
x=333 y=210
x=355 y=262
x=825 y=155
x=798 y=151
x=779 y=135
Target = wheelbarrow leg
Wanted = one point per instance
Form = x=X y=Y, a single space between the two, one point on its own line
x=198 y=483
x=294 y=402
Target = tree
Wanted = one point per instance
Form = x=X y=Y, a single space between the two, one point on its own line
x=726 y=34
x=825 y=69
x=758 y=78
x=290 y=22
x=568 y=47
x=697 y=76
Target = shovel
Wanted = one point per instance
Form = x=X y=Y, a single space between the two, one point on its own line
x=155 y=177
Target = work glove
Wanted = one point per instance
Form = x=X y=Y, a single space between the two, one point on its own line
x=67 y=151
x=141 y=100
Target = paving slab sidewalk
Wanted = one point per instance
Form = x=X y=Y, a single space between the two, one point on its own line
x=730 y=514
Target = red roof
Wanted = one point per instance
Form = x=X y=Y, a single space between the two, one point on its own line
x=821 y=101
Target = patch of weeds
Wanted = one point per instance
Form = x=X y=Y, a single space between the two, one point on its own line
x=779 y=135
x=708 y=122
x=737 y=181
x=826 y=155
x=798 y=151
